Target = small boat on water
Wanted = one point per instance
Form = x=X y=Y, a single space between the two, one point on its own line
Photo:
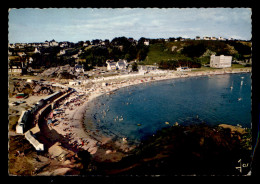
x=239 y=99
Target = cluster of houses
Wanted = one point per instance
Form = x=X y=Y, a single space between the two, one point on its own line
x=119 y=65
x=51 y=43
x=215 y=62
x=66 y=47
x=212 y=38
x=99 y=42
x=65 y=44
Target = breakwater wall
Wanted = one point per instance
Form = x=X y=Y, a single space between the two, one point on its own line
x=43 y=114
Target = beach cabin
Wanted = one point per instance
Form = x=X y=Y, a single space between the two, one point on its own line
x=220 y=61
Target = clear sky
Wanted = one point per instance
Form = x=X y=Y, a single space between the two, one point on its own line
x=68 y=24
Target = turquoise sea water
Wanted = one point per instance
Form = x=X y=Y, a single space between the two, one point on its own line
x=138 y=111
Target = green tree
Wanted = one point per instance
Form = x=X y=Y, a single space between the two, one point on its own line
x=194 y=50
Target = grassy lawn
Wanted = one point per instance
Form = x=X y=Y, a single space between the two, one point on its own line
x=158 y=52
x=204 y=68
x=237 y=66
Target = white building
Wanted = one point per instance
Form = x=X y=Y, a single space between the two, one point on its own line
x=147 y=68
x=85 y=44
x=30 y=60
x=111 y=65
x=197 y=38
x=15 y=69
x=221 y=38
x=53 y=43
x=36 y=50
x=146 y=42
x=121 y=64
x=220 y=61
x=206 y=38
x=62 y=52
x=63 y=44
x=11 y=45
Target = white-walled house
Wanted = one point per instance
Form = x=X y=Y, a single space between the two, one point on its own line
x=206 y=38
x=146 y=42
x=46 y=44
x=121 y=64
x=30 y=60
x=36 y=50
x=197 y=38
x=111 y=65
x=62 y=52
x=220 y=61
x=221 y=38
x=53 y=43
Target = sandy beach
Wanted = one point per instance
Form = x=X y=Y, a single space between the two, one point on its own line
x=69 y=118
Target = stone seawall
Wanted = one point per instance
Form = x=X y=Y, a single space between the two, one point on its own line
x=43 y=114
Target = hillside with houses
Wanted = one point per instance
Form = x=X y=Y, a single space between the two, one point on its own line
x=121 y=53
